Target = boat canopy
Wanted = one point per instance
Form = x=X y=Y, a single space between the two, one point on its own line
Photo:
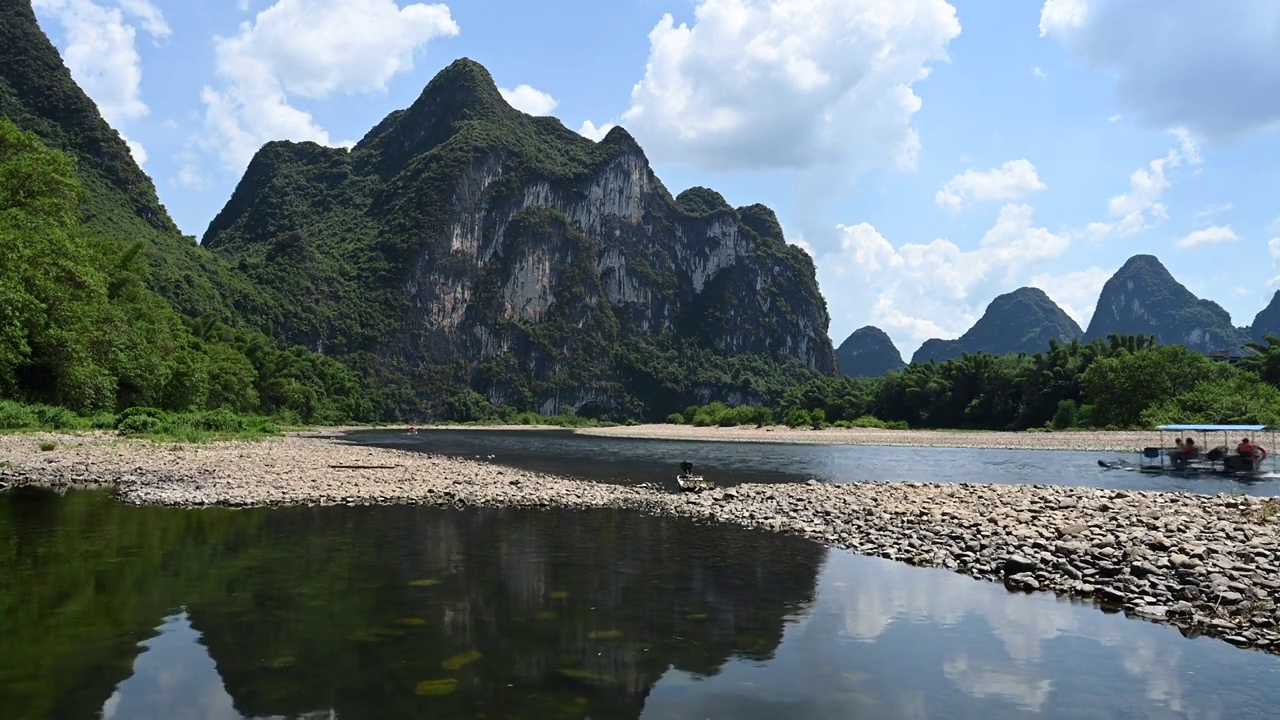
x=1214 y=428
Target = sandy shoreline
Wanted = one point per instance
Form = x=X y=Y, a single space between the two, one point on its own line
x=1097 y=440
x=1207 y=564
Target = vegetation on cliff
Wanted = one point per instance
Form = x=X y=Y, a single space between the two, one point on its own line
x=80 y=328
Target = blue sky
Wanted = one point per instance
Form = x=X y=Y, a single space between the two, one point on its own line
x=929 y=154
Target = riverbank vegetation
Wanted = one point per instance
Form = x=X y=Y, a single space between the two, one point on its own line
x=1122 y=382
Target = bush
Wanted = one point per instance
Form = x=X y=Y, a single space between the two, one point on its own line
x=140 y=424
x=219 y=421
x=48 y=446
x=16 y=416
x=675 y=419
x=128 y=414
x=1065 y=416
x=798 y=418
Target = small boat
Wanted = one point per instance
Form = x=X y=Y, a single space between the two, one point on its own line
x=1222 y=461
x=693 y=483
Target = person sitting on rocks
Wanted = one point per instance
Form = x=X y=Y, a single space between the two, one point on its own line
x=686 y=468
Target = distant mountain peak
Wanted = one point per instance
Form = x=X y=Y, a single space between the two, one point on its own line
x=1143 y=297
x=1023 y=320
x=868 y=352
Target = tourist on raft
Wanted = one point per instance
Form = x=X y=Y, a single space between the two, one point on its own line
x=1249 y=449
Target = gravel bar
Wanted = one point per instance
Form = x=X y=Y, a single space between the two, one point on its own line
x=1207 y=564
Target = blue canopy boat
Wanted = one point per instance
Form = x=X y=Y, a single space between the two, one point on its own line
x=1204 y=457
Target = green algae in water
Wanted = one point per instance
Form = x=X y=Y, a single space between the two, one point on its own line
x=425 y=583
x=699 y=616
x=413 y=622
x=582 y=676
x=559 y=594
x=281 y=662
x=546 y=615
x=605 y=635
x=374 y=635
x=458 y=661
x=428 y=688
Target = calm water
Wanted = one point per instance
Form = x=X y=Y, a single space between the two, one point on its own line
x=124 y=613
x=631 y=460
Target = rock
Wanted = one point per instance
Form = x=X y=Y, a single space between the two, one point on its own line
x=1016 y=564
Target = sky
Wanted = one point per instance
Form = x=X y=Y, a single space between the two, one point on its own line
x=928 y=154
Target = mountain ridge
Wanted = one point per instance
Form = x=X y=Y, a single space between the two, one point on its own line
x=1023 y=320
x=868 y=352
x=517 y=258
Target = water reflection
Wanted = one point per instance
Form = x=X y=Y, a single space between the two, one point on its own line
x=414 y=612
x=623 y=460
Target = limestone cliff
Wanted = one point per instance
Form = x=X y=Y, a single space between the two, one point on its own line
x=1024 y=320
x=1143 y=298
x=1267 y=321
x=463 y=243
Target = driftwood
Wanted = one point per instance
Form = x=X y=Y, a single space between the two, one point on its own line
x=364 y=467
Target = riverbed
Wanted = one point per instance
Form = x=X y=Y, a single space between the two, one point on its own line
x=363 y=612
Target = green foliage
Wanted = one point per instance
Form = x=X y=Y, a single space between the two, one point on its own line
x=48 y=446
x=1122 y=382
x=80 y=331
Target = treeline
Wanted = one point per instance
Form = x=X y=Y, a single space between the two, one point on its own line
x=1121 y=382
x=80 y=330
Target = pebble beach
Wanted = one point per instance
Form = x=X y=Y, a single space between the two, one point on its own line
x=1207 y=564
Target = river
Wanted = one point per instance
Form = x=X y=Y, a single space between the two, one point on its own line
x=392 y=612
x=621 y=460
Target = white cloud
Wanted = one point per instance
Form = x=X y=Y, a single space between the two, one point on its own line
x=529 y=100
x=1075 y=292
x=917 y=291
x=1212 y=67
x=1115 y=118
x=1143 y=206
x=1038 y=73
x=138 y=152
x=1208 y=236
x=309 y=49
x=190 y=177
x=1273 y=247
x=152 y=19
x=1013 y=180
x=1211 y=210
x=590 y=130
x=789 y=83
x=99 y=49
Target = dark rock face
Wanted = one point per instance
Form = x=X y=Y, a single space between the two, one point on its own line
x=1024 y=320
x=464 y=243
x=1267 y=321
x=1142 y=298
x=868 y=352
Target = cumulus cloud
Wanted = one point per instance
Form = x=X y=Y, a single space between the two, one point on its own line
x=1075 y=292
x=1142 y=207
x=529 y=100
x=99 y=47
x=590 y=130
x=789 y=83
x=309 y=49
x=1208 y=236
x=1273 y=247
x=1013 y=180
x=917 y=291
x=1211 y=67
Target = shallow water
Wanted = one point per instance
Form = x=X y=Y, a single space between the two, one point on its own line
x=390 y=612
x=629 y=460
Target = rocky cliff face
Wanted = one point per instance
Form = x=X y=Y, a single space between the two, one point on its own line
x=465 y=243
x=1267 y=321
x=868 y=352
x=1143 y=298
x=1024 y=320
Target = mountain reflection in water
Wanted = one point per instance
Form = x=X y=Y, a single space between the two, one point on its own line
x=352 y=613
